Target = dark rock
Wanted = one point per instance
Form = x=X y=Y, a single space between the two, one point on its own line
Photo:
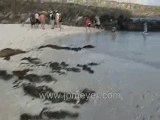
x=86 y=68
x=26 y=117
x=21 y=74
x=73 y=69
x=60 y=67
x=66 y=48
x=4 y=75
x=89 y=46
x=48 y=115
x=60 y=114
x=37 y=79
x=46 y=93
x=55 y=66
x=8 y=52
x=48 y=78
x=32 y=78
x=35 y=61
x=64 y=64
x=87 y=94
x=93 y=64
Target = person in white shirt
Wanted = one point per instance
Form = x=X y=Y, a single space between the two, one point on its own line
x=37 y=22
x=52 y=19
x=57 y=18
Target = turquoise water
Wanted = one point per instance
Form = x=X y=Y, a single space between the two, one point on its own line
x=129 y=45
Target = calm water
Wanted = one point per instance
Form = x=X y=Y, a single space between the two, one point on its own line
x=136 y=77
x=129 y=45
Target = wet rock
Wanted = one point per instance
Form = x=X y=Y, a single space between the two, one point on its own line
x=73 y=69
x=86 y=68
x=37 y=79
x=46 y=93
x=35 y=61
x=93 y=64
x=87 y=94
x=49 y=115
x=64 y=64
x=62 y=67
x=60 y=115
x=56 y=66
x=26 y=116
x=32 y=78
x=34 y=91
x=48 y=78
x=88 y=46
x=21 y=73
x=8 y=52
x=4 y=75
x=66 y=48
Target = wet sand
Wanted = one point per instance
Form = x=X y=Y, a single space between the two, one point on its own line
x=123 y=89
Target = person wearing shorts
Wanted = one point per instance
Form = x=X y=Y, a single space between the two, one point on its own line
x=88 y=24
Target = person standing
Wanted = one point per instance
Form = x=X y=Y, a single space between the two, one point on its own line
x=52 y=19
x=60 y=22
x=37 y=22
x=32 y=20
x=98 y=23
x=57 y=18
x=88 y=24
x=42 y=19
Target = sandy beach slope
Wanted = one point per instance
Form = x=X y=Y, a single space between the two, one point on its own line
x=133 y=88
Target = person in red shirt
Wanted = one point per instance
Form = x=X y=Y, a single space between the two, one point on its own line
x=88 y=23
x=42 y=19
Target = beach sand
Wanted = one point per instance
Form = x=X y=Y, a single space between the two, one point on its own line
x=125 y=90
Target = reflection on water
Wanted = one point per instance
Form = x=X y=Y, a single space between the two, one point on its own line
x=114 y=35
x=129 y=45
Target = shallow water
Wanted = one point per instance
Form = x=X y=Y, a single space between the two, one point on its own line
x=129 y=45
x=130 y=67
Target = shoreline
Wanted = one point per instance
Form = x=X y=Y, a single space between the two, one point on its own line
x=17 y=36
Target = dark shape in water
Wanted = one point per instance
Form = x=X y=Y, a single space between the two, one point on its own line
x=46 y=93
x=4 y=75
x=48 y=115
x=8 y=52
x=35 y=61
x=66 y=48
